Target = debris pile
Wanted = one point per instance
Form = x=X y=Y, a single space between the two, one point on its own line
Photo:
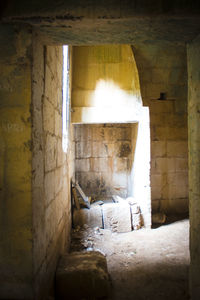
x=118 y=215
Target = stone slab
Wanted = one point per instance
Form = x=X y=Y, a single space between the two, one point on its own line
x=117 y=217
x=82 y=275
x=136 y=221
x=92 y=217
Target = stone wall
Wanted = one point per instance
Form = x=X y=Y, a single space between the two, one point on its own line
x=163 y=68
x=194 y=164
x=51 y=179
x=105 y=158
x=15 y=163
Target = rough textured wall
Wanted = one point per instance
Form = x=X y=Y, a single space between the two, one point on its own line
x=15 y=163
x=111 y=21
x=194 y=164
x=104 y=158
x=105 y=84
x=162 y=68
x=51 y=187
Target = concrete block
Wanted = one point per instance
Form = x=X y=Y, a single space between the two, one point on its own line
x=82 y=276
x=92 y=217
x=117 y=217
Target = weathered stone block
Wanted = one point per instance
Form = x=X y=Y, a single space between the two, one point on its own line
x=99 y=164
x=82 y=276
x=58 y=124
x=158 y=148
x=50 y=158
x=48 y=116
x=156 y=192
x=61 y=155
x=120 y=164
x=92 y=217
x=177 y=148
x=99 y=149
x=171 y=164
x=181 y=164
x=58 y=179
x=83 y=165
x=83 y=149
x=136 y=221
x=49 y=187
x=117 y=217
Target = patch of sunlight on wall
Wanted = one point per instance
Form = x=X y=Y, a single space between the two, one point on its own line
x=108 y=94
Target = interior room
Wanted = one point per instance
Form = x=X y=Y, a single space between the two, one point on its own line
x=99 y=150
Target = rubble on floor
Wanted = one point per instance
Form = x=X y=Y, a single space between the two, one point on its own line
x=122 y=215
x=82 y=275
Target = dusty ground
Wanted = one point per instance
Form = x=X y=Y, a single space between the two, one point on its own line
x=144 y=264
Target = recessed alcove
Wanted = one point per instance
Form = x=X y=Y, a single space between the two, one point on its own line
x=110 y=125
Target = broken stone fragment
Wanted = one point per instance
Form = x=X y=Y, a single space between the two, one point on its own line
x=82 y=275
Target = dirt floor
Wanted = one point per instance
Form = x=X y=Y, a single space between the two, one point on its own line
x=148 y=264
